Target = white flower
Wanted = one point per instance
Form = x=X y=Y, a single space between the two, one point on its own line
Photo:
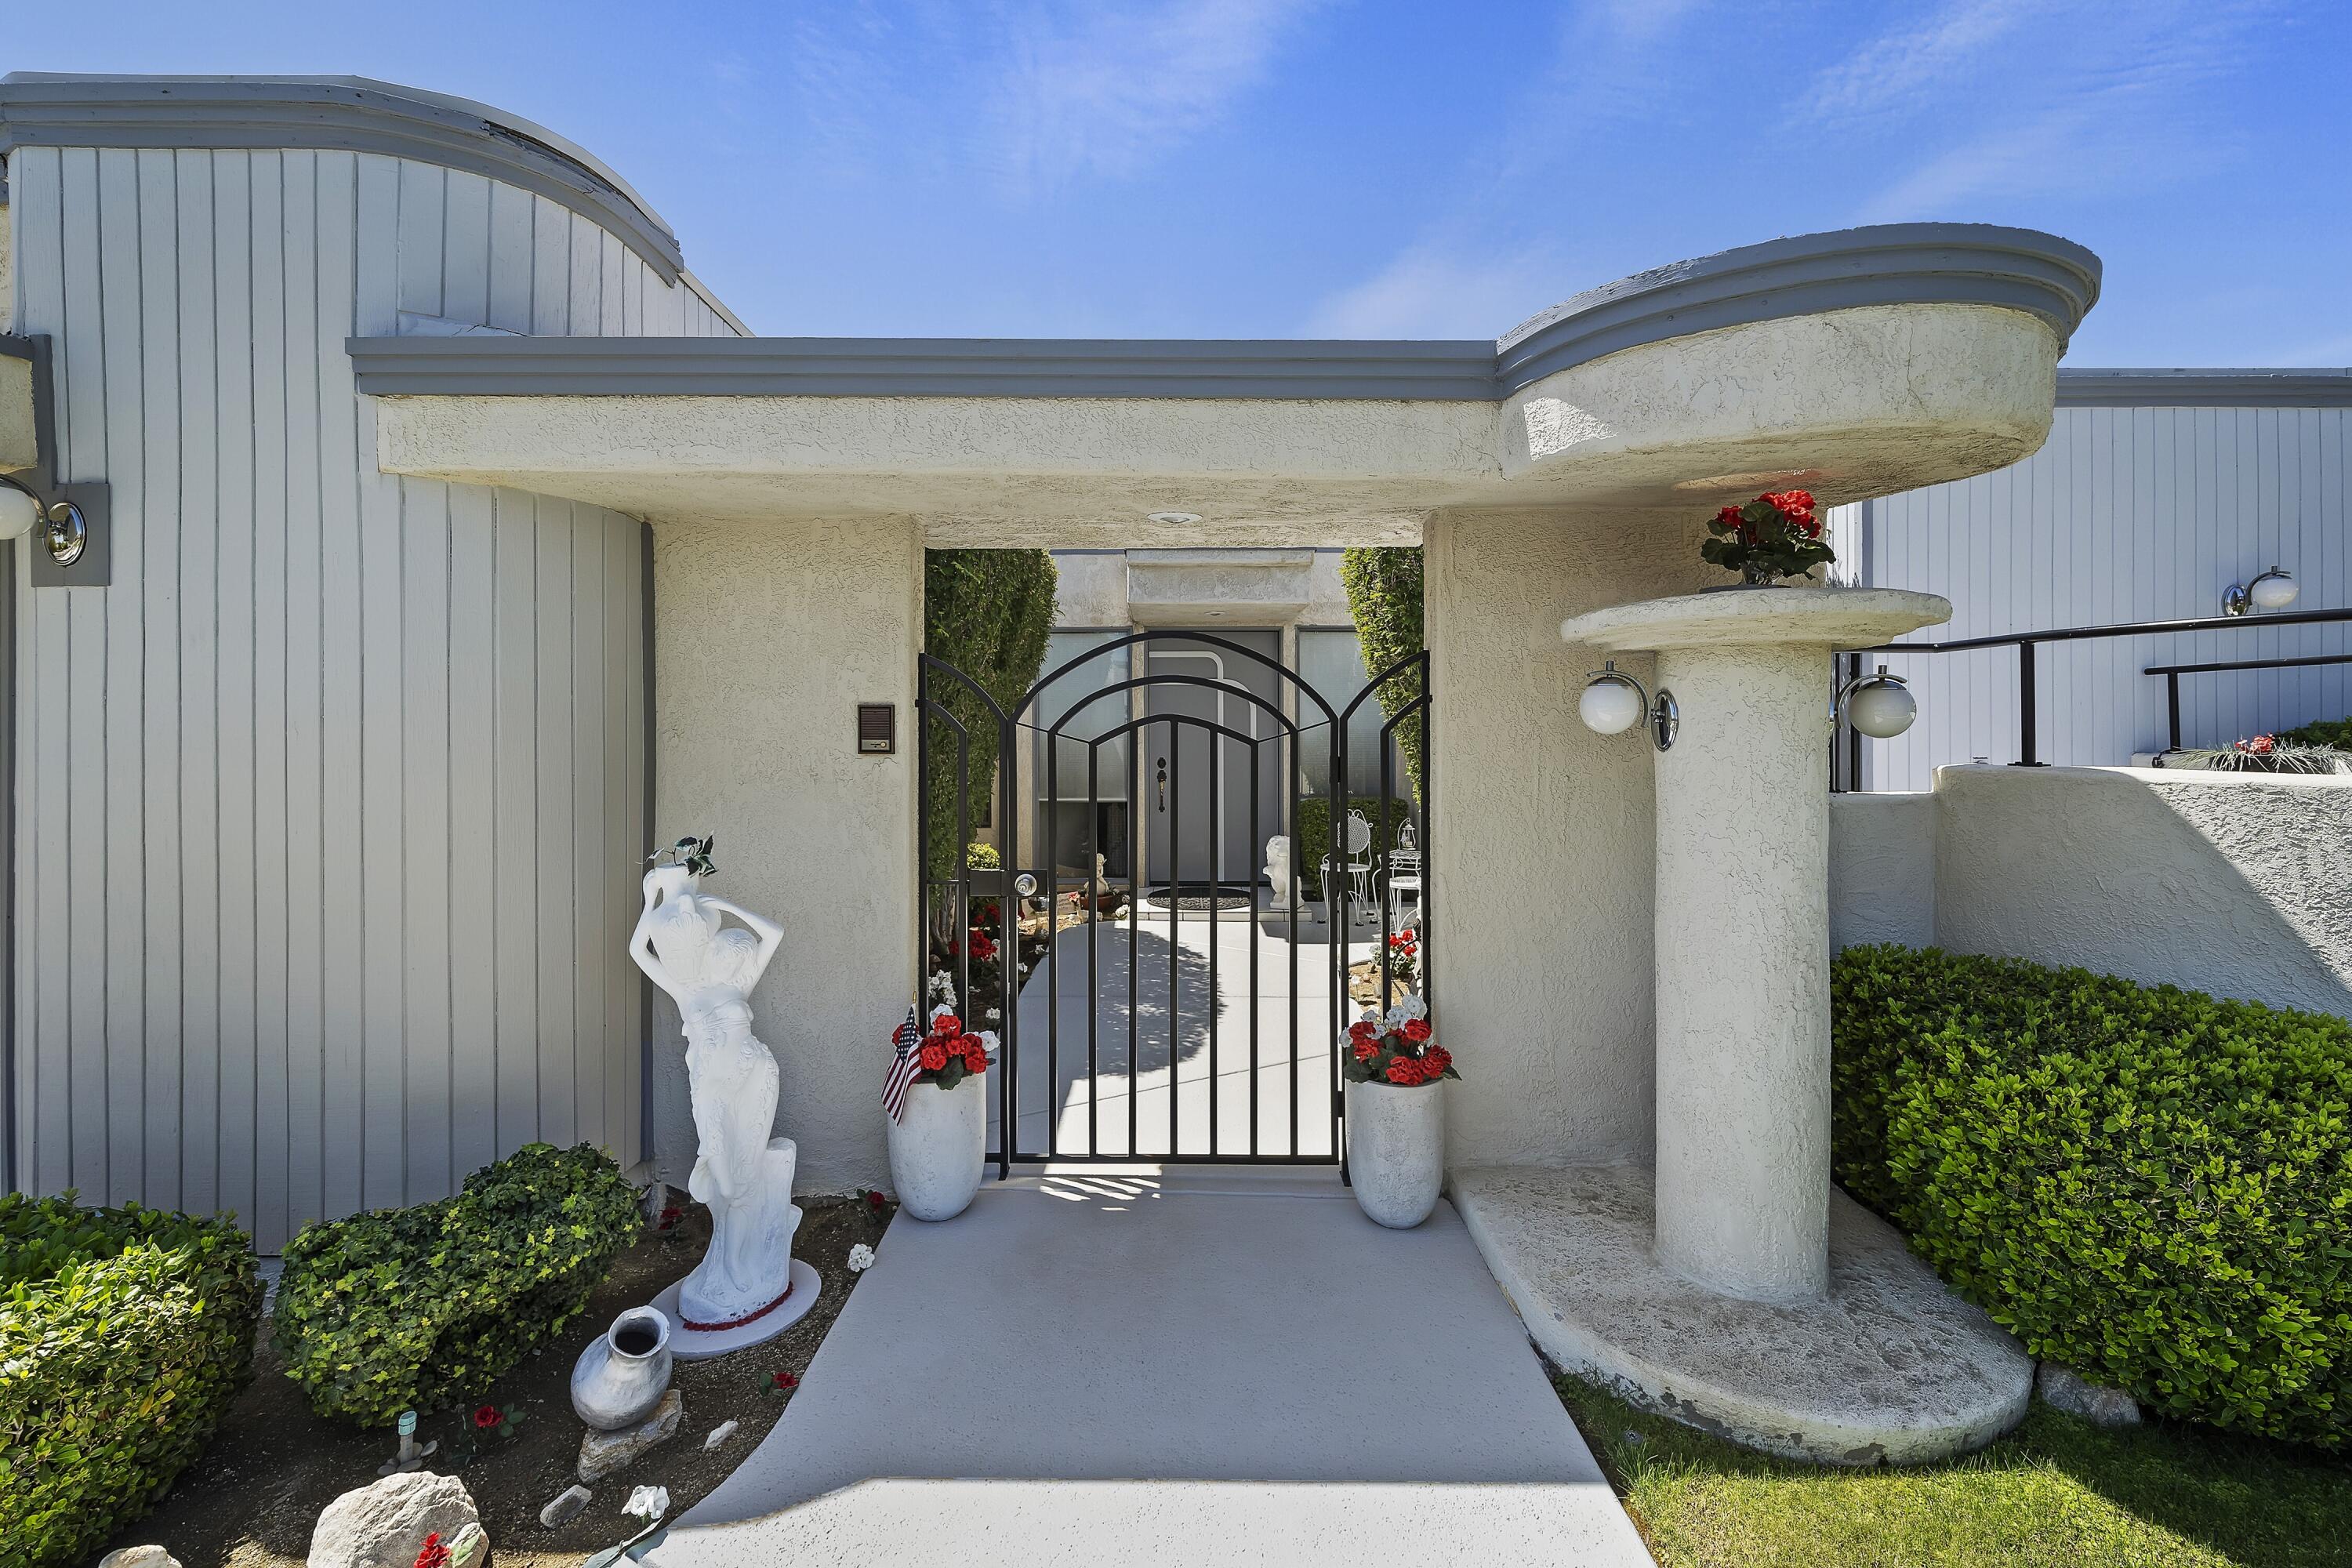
x=942 y=1011
x=649 y=1503
x=1411 y=1007
x=861 y=1258
x=993 y=1015
x=988 y=1039
x=943 y=989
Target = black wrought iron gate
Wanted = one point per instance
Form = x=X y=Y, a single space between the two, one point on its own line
x=1117 y=1036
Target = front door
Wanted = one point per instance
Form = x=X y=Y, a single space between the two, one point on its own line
x=1197 y=785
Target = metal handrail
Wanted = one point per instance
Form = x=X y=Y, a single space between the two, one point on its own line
x=2024 y=642
x=2173 y=672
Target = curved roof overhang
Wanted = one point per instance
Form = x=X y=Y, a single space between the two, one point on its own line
x=345 y=113
x=1858 y=363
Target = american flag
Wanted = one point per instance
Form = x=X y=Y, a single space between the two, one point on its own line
x=908 y=1039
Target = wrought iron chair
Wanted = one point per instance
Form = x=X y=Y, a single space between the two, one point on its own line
x=1358 y=868
x=1401 y=877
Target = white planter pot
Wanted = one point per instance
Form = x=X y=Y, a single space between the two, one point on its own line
x=938 y=1153
x=620 y=1377
x=1396 y=1151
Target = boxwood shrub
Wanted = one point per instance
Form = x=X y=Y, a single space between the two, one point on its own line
x=124 y=1333
x=2146 y=1184
x=420 y=1308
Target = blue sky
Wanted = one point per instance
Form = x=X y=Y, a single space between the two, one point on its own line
x=1281 y=168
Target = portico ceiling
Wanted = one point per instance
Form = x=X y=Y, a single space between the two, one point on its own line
x=1854 y=364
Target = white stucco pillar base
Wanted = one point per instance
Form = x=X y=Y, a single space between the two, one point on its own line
x=1885 y=1366
x=1742 y=919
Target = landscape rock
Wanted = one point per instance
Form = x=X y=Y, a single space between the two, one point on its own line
x=602 y=1453
x=471 y=1548
x=384 y=1525
x=138 y=1557
x=2065 y=1389
x=565 y=1505
x=718 y=1433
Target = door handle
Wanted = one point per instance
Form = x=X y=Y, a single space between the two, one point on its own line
x=1163 y=784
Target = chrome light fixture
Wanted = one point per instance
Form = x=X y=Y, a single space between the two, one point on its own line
x=1880 y=705
x=2274 y=590
x=60 y=524
x=1614 y=702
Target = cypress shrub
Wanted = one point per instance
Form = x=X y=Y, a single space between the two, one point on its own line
x=1384 y=596
x=988 y=613
x=421 y=1308
x=2148 y=1185
x=124 y=1333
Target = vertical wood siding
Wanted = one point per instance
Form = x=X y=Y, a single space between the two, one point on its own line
x=2127 y=514
x=328 y=808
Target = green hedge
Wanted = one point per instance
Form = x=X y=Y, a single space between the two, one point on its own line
x=2145 y=1184
x=124 y=1333
x=1312 y=831
x=421 y=1308
x=2335 y=733
x=1384 y=596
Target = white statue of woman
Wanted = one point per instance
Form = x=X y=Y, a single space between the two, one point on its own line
x=741 y=1175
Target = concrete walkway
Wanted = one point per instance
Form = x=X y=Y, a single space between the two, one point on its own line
x=1219 y=1074
x=1214 y=1368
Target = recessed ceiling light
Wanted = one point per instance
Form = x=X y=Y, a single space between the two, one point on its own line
x=1175 y=517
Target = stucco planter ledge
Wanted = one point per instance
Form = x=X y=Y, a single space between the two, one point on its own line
x=1885 y=1366
x=1829 y=618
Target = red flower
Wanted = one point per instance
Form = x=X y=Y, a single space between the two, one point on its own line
x=1405 y=1072
x=874 y=1200
x=1417 y=1030
x=1729 y=517
x=983 y=948
x=1367 y=1049
x=433 y=1554
x=948 y=1024
x=1364 y=1029
x=2260 y=746
x=488 y=1419
x=976 y=1052
x=1434 y=1061
x=784 y=1381
x=934 y=1054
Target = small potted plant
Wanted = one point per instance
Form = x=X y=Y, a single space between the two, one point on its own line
x=1396 y=1073
x=937 y=1113
x=1777 y=535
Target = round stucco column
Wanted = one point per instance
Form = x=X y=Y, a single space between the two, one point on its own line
x=1742 y=942
x=1742 y=919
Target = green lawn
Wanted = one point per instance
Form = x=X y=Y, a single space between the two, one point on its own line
x=2056 y=1491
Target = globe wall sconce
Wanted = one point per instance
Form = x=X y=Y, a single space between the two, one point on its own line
x=60 y=524
x=1614 y=702
x=1879 y=705
x=2274 y=590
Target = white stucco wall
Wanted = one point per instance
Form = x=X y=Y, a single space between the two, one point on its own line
x=767 y=638
x=1883 y=869
x=1540 y=852
x=2229 y=884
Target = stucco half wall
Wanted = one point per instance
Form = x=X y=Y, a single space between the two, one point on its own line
x=2238 y=885
x=767 y=637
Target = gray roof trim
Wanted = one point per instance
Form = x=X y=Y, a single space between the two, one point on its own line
x=1887 y=264
x=921 y=367
x=2097 y=388
x=344 y=113
x=1961 y=264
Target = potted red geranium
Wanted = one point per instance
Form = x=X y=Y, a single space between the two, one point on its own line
x=1396 y=1114
x=937 y=1121
x=1776 y=535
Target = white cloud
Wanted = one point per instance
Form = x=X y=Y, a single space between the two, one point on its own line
x=2078 y=99
x=1103 y=91
x=1428 y=293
